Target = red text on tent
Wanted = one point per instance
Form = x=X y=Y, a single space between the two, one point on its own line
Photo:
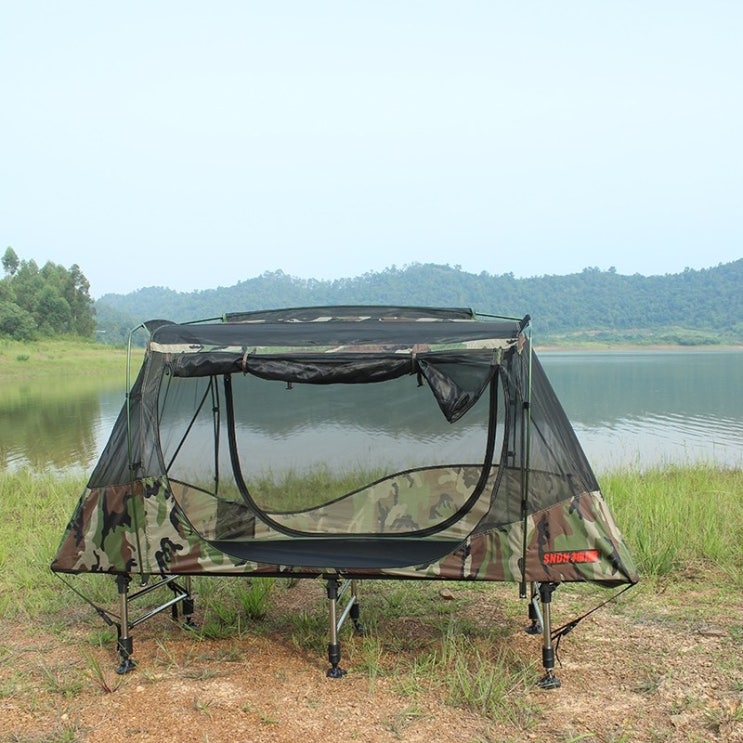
x=570 y=556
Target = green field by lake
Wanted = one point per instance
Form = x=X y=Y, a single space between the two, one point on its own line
x=52 y=358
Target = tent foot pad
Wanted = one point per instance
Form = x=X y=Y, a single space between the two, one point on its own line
x=549 y=681
x=126 y=665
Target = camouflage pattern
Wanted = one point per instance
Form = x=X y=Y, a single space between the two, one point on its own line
x=405 y=503
x=162 y=528
x=575 y=540
x=137 y=529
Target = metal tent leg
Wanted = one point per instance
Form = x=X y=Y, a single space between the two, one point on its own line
x=549 y=680
x=181 y=595
x=355 y=610
x=536 y=623
x=124 y=642
x=184 y=596
x=334 y=646
x=188 y=604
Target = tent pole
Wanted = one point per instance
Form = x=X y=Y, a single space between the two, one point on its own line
x=525 y=457
x=124 y=642
x=355 y=612
x=334 y=646
x=129 y=446
x=549 y=680
x=188 y=604
x=536 y=623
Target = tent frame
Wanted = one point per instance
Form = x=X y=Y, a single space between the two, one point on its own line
x=340 y=607
x=341 y=584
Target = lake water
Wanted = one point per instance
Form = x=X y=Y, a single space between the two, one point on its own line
x=636 y=409
x=646 y=408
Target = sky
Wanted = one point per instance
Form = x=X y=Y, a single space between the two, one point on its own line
x=193 y=145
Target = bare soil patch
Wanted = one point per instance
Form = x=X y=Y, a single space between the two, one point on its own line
x=650 y=667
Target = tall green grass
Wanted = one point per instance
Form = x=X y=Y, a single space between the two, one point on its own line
x=34 y=511
x=678 y=515
x=477 y=678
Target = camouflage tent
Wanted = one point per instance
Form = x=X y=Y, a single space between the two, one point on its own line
x=344 y=442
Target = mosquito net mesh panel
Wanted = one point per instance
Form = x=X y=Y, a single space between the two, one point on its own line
x=325 y=459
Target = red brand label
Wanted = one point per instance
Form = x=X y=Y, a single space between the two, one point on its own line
x=570 y=557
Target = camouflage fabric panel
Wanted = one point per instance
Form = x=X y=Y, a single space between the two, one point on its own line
x=115 y=531
x=573 y=541
x=102 y=534
x=211 y=517
x=179 y=543
x=176 y=546
x=578 y=540
x=408 y=502
x=545 y=490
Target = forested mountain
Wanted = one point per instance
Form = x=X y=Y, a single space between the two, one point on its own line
x=693 y=307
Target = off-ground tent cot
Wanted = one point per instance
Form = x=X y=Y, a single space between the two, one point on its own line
x=343 y=443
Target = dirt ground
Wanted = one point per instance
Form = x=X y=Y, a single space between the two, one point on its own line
x=650 y=667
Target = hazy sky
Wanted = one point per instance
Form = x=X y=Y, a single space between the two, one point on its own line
x=192 y=144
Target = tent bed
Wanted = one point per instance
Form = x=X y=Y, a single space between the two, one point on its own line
x=344 y=443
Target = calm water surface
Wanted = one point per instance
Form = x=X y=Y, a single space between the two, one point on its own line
x=646 y=408
x=636 y=409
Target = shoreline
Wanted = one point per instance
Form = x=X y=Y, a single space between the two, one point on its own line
x=632 y=347
x=65 y=357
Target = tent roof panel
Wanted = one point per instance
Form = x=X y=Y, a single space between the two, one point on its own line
x=341 y=335
x=358 y=313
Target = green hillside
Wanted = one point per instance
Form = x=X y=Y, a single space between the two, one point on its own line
x=695 y=307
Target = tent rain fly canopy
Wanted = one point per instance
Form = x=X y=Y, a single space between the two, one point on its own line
x=345 y=442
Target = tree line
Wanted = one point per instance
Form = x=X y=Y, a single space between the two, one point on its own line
x=43 y=302
x=693 y=307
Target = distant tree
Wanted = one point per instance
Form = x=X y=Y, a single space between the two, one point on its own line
x=10 y=261
x=82 y=309
x=621 y=306
x=16 y=323
x=52 y=312
x=113 y=326
x=27 y=286
x=51 y=300
x=6 y=290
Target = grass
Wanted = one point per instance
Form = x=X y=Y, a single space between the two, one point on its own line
x=66 y=733
x=676 y=517
x=35 y=511
x=476 y=678
x=233 y=606
x=58 y=357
